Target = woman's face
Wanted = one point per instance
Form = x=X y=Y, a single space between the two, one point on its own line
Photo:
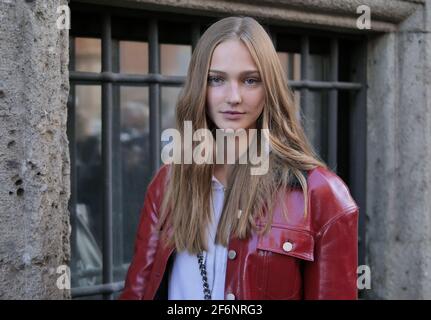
x=235 y=91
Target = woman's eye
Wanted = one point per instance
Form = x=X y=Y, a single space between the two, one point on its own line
x=215 y=80
x=251 y=81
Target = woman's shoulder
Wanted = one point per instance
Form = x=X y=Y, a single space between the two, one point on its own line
x=158 y=183
x=329 y=195
x=163 y=172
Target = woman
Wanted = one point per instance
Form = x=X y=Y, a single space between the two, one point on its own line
x=215 y=231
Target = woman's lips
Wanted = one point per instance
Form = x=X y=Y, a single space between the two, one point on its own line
x=232 y=115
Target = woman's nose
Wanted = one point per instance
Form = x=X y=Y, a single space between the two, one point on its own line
x=234 y=94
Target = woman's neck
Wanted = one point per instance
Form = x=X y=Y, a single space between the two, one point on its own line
x=220 y=172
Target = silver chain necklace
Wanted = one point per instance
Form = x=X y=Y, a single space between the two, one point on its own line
x=203 y=270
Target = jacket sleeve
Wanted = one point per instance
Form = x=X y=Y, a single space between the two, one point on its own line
x=332 y=275
x=145 y=244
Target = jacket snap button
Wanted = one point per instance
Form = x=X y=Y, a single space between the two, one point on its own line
x=231 y=254
x=230 y=296
x=287 y=246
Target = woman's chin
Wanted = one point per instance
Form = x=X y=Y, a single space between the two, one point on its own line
x=231 y=126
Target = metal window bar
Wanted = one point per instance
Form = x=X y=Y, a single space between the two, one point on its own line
x=196 y=34
x=305 y=51
x=118 y=244
x=333 y=108
x=107 y=289
x=273 y=36
x=154 y=79
x=71 y=120
x=121 y=78
x=80 y=77
x=358 y=150
x=154 y=97
x=107 y=154
x=94 y=272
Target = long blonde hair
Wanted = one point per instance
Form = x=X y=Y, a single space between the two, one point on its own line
x=186 y=203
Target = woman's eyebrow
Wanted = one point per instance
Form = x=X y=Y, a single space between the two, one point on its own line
x=242 y=73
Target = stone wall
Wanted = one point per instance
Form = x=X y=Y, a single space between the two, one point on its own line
x=34 y=156
x=323 y=14
x=399 y=160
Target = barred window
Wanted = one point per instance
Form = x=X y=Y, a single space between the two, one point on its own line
x=126 y=70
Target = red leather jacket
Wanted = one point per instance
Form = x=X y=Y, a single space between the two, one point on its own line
x=303 y=258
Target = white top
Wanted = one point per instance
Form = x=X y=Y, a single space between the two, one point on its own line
x=185 y=280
